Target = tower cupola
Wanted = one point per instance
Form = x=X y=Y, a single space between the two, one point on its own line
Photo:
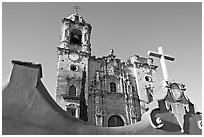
x=75 y=34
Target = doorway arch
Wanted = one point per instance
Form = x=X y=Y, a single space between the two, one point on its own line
x=115 y=121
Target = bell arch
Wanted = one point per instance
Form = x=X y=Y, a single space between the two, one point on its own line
x=75 y=37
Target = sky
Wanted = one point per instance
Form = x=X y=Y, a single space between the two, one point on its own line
x=31 y=32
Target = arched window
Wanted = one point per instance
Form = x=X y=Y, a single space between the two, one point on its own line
x=112 y=87
x=72 y=90
x=75 y=37
x=115 y=121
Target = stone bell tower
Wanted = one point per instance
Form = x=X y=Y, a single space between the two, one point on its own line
x=74 y=51
x=144 y=72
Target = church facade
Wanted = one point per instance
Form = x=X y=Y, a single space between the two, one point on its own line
x=116 y=92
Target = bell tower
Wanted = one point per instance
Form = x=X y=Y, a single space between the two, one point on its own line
x=74 y=51
x=145 y=78
x=75 y=34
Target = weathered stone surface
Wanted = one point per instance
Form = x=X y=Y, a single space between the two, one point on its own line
x=27 y=108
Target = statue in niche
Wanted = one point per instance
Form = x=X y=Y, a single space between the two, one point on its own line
x=110 y=70
x=84 y=49
x=97 y=99
x=98 y=110
x=86 y=38
x=73 y=18
x=66 y=37
x=97 y=76
x=99 y=120
x=149 y=92
x=81 y=19
x=85 y=35
x=66 y=28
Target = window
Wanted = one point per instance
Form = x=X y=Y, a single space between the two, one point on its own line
x=71 y=111
x=72 y=90
x=112 y=87
x=148 y=79
x=73 y=67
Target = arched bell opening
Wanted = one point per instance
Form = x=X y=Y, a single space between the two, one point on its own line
x=75 y=37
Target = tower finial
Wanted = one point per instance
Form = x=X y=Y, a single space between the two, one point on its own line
x=111 y=51
x=76 y=7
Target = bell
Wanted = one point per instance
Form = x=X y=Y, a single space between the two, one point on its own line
x=76 y=36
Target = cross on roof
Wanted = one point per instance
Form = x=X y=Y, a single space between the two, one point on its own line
x=162 y=57
x=76 y=8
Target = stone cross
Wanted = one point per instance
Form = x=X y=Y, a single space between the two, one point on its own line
x=162 y=57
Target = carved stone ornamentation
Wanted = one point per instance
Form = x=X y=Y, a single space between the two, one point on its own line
x=176 y=102
x=179 y=110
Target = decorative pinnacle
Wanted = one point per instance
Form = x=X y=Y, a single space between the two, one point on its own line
x=111 y=51
x=76 y=8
